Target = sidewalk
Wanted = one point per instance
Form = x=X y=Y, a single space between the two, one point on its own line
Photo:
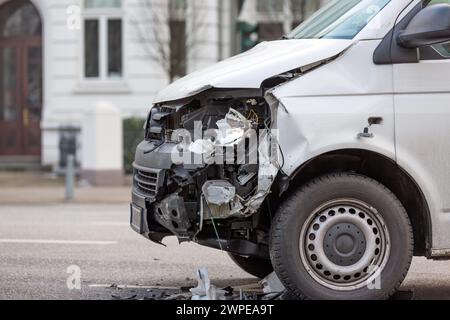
x=36 y=188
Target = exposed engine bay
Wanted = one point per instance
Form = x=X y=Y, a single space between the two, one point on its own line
x=205 y=170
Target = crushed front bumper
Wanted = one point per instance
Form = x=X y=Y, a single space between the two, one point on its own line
x=178 y=191
x=150 y=167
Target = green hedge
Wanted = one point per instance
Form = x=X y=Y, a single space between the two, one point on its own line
x=133 y=134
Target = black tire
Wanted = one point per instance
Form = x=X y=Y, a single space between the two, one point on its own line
x=259 y=268
x=291 y=255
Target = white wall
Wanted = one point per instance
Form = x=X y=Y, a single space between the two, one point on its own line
x=203 y=23
x=67 y=95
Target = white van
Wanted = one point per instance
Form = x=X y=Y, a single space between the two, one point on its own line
x=351 y=178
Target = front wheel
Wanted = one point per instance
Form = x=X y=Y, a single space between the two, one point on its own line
x=342 y=236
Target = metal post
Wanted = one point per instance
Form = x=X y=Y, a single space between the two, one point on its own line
x=70 y=177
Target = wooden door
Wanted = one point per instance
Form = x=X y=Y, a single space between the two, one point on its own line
x=20 y=79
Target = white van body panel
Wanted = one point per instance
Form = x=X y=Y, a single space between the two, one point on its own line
x=329 y=107
x=422 y=100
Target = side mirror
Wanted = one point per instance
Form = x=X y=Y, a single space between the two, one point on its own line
x=430 y=26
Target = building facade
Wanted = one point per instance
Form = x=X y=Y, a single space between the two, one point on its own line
x=61 y=58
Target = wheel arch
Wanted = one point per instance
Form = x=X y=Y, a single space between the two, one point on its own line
x=380 y=168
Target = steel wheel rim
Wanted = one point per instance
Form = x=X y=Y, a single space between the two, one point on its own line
x=345 y=244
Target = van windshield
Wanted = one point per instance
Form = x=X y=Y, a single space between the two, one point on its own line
x=340 y=19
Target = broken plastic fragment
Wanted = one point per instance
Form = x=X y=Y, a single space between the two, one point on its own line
x=205 y=291
x=272 y=284
x=203 y=147
x=227 y=135
x=232 y=128
x=237 y=120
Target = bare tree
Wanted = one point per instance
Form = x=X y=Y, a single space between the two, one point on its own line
x=170 y=31
x=278 y=17
x=291 y=12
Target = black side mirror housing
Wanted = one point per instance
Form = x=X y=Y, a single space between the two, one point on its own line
x=430 y=26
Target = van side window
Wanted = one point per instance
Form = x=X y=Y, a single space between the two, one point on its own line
x=438 y=51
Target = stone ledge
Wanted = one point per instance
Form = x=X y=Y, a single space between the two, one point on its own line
x=56 y=195
x=104 y=178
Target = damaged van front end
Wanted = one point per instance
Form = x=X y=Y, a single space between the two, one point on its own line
x=204 y=170
x=211 y=161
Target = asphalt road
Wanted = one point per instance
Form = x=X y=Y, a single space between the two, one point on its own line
x=39 y=243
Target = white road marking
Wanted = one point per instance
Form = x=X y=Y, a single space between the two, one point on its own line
x=62 y=242
x=110 y=224
x=106 y=286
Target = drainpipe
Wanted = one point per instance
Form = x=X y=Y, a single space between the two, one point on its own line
x=288 y=17
x=220 y=27
x=233 y=14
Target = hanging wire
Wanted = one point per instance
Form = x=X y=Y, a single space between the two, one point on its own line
x=215 y=229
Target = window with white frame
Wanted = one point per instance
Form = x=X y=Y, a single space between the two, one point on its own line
x=103 y=39
x=275 y=9
x=273 y=15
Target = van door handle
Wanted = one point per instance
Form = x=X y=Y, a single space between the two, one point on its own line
x=366 y=131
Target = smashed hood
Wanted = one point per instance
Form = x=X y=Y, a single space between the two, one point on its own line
x=250 y=69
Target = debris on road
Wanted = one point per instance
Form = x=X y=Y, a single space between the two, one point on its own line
x=272 y=286
x=147 y=293
x=269 y=288
x=205 y=290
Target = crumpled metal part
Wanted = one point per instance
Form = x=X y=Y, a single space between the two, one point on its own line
x=222 y=199
x=219 y=192
x=267 y=173
x=268 y=160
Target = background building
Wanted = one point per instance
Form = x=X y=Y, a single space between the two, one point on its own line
x=59 y=59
